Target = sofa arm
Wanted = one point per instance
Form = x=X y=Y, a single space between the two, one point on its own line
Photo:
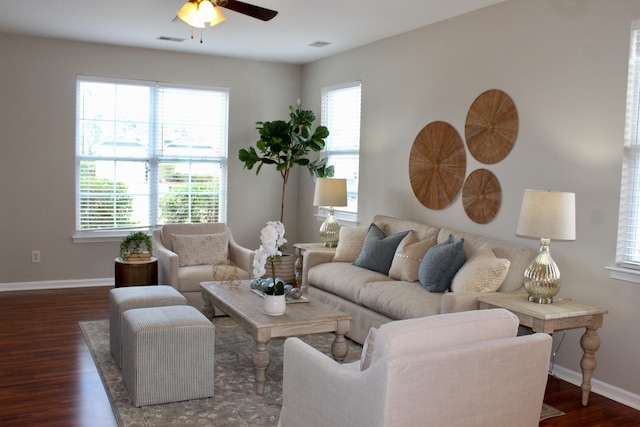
x=167 y=261
x=318 y=391
x=241 y=256
x=310 y=259
x=453 y=302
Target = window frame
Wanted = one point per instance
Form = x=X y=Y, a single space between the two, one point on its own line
x=627 y=266
x=342 y=214
x=153 y=158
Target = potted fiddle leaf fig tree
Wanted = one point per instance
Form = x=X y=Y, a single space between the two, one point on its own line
x=286 y=144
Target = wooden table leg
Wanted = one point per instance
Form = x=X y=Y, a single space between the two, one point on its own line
x=207 y=307
x=339 y=348
x=590 y=343
x=261 y=361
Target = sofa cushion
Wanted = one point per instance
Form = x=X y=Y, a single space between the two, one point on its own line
x=482 y=272
x=518 y=255
x=411 y=336
x=350 y=243
x=440 y=264
x=343 y=279
x=200 y=249
x=406 y=261
x=399 y=300
x=378 y=249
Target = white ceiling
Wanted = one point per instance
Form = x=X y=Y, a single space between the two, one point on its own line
x=345 y=24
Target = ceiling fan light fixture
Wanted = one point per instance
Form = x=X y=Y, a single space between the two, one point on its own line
x=206 y=11
x=219 y=17
x=188 y=12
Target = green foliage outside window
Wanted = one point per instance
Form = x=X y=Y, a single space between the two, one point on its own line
x=195 y=202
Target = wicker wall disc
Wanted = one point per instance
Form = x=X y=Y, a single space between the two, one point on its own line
x=437 y=164
x=491 y=127
x=481 y=196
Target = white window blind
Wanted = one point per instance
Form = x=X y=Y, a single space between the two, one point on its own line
x=341 y=115
x=149 y=153
x=628 y=248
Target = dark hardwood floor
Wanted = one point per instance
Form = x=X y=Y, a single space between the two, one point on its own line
x=47 y=376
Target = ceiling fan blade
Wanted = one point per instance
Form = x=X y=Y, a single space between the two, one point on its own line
x=254 y=11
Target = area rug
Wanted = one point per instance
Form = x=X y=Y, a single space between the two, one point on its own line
x=235 y=402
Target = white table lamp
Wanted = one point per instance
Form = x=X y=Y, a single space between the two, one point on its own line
x=330 y=192
x=548 y=215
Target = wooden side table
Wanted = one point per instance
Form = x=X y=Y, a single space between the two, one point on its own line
x=136 y=273
x=301 y=248
x=561 y=315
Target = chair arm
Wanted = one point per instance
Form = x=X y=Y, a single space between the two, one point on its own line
x=241 y=256
x=167 y=261
x=319 y=392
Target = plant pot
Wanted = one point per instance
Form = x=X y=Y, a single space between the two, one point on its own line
x=274 y=305
x=285 y=269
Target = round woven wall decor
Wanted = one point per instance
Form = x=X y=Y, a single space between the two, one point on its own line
x=491 y=127
x=437 y=165
x=481 y=196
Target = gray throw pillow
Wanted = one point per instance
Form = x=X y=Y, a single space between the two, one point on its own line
x=440 y=264
x=378 y=250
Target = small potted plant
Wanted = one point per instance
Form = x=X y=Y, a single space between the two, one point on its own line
x=136 y=247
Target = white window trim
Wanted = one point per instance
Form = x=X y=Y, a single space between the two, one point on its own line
x=109 y=236
x=623 y=270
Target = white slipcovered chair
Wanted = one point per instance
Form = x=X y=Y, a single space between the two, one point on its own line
x=461 y=369
x=187 y=254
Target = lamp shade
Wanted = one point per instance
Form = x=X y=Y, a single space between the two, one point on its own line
x=188 y=12
x=548 y=214
x=330 y=192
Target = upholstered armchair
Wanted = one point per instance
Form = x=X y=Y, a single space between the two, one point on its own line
x=459 y=369
x=187 y=254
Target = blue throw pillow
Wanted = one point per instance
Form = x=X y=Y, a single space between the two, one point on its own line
x=378 y=250
x=440 y=264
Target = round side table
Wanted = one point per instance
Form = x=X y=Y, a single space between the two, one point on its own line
x=136 y=273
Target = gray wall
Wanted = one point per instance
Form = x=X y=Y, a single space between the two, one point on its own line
x=37 y=136
x=564 y=63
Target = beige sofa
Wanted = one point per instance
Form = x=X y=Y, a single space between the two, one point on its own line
x=374 y=299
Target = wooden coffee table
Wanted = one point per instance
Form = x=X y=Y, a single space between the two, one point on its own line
x=245 y=307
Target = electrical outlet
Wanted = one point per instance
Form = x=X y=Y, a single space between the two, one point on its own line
x=35 y=256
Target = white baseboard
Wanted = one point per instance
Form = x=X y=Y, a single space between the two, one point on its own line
x=55 y=284
x=607 y=390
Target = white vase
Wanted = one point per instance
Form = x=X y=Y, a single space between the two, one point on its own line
x=274 y=305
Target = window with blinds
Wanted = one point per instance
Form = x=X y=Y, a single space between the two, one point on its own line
x=341 y=115
x=628 y=249
x=148 y=153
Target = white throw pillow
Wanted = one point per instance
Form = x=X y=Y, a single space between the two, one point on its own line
x=351 y=239
x=482 y=272
x=200 y=249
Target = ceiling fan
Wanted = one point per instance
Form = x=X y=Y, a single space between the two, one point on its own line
x=251 y=10
x=198 y=12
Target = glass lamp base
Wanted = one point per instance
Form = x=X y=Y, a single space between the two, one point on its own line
x=540 y=300
x=330 y=231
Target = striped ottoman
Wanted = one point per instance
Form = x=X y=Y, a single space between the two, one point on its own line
x=123 y=299
x=168 y=354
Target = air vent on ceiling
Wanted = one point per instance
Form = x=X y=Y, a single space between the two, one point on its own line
x=319 y=44
x=171 y=39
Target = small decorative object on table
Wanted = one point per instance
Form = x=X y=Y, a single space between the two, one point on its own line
x=226 y=272
x=275 y=289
